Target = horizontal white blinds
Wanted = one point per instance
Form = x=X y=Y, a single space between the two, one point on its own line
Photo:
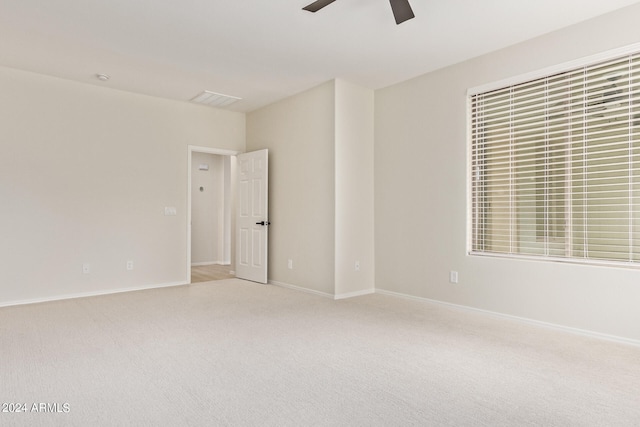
x=555 y=165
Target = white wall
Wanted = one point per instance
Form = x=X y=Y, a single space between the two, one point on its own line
x=354 y=190
x=320 y=187
x=208 y=231
x=85 y=174
x=421 y=198
x=299 y=133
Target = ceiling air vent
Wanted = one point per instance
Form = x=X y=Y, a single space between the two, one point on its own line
x=214 y=99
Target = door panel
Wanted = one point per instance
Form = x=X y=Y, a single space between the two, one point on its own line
x=252 y=219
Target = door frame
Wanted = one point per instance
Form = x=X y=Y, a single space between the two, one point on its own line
x=207 y=150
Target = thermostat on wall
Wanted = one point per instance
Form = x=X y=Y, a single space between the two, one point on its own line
x=204 y=167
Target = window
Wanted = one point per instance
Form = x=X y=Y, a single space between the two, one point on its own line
x=555 y=165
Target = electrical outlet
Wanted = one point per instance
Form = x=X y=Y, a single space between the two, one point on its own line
x=129 y=265
x=86 y=268
x=453 y=277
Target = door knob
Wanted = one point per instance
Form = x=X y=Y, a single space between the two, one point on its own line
x=263 y=223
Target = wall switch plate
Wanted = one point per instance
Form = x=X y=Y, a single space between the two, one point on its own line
x=290 y=264
x=170 y=211
x=453 y=277
x=357 y=266
x=129 y=265
x=86 y=268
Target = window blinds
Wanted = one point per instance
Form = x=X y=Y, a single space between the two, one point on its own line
x=555 y=165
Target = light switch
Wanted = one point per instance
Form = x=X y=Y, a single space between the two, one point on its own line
x=170 y=211
x=453 y=277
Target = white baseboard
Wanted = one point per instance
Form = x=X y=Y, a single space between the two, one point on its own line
x=569 y=329
x=203 y=264
x=354 y=294
x=323 y=294
x=299 y=288
x=89 y=294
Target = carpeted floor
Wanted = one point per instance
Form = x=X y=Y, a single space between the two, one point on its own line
x=236 y=353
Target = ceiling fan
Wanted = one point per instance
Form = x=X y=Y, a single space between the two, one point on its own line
x=401 y=8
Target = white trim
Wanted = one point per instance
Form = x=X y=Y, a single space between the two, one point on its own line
x=190 y=150
x=554 y=69
x=90 y=294
x=203 y=264
x=354 y=294
x=554 y=326
x=469 y=183
x=301 y=289
x=590 y=262
x=209 y=150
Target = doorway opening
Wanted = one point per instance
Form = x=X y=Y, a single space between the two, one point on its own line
x=211 y=272
x=210 y=243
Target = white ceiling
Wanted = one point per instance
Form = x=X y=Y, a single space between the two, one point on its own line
x=260 y=50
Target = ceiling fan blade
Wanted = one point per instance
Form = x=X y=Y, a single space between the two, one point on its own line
x=401 y=10
x=317 y=5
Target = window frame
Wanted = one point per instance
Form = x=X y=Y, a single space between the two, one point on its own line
x=513 y=81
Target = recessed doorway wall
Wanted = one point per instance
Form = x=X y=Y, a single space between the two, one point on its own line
x=210 y=236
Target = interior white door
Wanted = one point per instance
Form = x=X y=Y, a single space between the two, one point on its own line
x=252 y=222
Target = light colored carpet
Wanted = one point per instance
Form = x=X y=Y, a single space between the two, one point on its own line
x=236 y=353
